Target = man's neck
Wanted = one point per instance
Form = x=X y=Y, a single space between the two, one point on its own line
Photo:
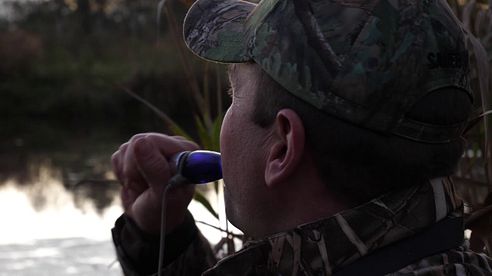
x=301 y=202
x=352 y=233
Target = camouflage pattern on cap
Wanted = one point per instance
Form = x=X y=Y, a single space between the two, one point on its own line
x=216 y=30
x=366 y=62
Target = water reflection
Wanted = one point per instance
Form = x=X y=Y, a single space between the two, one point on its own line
x=71 y=256
x=59 y=200
x=33 y=154
x=44 y=209
x=46 y=231
x=47 y=227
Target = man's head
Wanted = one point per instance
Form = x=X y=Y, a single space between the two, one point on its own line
x=377 y=92
x=268 y=169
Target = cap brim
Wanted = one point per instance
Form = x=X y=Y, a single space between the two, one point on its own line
x=215 y=30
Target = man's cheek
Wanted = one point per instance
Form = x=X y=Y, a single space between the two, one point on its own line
x=224 y=129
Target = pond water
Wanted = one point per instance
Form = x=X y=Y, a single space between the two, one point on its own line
x=59 y=199
x=62 y=237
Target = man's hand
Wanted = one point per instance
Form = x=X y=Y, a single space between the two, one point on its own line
x=141 y=165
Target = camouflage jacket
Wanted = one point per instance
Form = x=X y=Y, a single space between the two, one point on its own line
x=414 y=231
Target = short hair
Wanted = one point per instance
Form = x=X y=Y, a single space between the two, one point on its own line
x=359 y=163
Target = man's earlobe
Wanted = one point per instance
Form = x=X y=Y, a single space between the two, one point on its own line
x=287 y=148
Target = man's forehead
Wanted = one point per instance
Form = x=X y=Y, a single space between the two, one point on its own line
x=232 y=71
x=243 y=75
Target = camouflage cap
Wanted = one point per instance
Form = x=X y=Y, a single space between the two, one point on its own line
x=365 y=62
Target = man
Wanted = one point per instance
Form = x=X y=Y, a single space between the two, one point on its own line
x=345 y=123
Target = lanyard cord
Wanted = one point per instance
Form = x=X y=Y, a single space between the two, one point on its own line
x=173 y=182
x=207 y=168
x=162 y=242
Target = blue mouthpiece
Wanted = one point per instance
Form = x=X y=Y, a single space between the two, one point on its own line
x=199 y=167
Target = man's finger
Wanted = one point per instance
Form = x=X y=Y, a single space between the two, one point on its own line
x=152 y=165
x=128 y=197
x=116 y=164
x=170 y=145
x=129 y=167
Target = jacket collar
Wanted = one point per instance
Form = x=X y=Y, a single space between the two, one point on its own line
x=327 y=245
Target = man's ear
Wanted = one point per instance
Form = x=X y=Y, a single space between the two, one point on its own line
x=286 y=149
